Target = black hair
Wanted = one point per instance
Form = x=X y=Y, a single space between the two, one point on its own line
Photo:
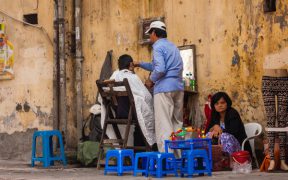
x=215 y=98
x=124 y=61
x=159 y=32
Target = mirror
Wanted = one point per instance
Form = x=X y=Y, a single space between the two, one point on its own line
x=188 y=54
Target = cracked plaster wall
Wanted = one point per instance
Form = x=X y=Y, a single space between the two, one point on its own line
x=232 y=40
x=26 y=101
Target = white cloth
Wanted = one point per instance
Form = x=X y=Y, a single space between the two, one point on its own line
x=95 y=109
x=143 y=104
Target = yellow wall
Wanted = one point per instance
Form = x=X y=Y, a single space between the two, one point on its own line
x=33 y=69
x=220 y=29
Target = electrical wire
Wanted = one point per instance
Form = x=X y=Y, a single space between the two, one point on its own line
x=35 y=26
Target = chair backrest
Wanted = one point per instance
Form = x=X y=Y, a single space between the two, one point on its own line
x=252 y=130
x=112 y=92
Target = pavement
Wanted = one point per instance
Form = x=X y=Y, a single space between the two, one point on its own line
x=20 y=170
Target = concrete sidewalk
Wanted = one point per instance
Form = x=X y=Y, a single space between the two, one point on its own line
x=19 y=170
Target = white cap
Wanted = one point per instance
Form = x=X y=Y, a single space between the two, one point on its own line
x=156 y=24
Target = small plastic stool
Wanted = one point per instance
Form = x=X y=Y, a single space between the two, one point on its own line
x=119 y=155
x=144 y=156
x=47 y=148
x=196 y=168
x=156 y=164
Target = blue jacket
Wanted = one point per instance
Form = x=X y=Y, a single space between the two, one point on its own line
x=166 y=67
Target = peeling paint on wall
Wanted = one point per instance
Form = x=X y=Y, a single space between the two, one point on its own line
x=282 y=18
x=24 y=117
x=235 y=59
x=26 y=107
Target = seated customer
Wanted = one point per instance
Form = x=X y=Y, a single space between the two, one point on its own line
x=143 y=103
x=226 y=124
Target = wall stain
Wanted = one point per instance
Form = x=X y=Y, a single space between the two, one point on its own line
x=235 y=40
x=44 y=118
x=18 y=107
x=253 y=95
x=2 y=99
x=257 y=31
x=234 y=95
x=184 y=41
x=26 y=107
x=245 y=48
x=235 y=59
x=7 y=121
x=282 y=19
x=240 y=25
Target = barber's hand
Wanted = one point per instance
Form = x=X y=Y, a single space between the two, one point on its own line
x=136 y=64
x=149 y=84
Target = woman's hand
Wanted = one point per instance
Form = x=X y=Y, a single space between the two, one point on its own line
x=216 y=130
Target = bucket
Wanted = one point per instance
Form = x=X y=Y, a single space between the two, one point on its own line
x=241 y=157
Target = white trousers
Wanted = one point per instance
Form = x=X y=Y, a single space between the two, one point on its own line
x=168 y=109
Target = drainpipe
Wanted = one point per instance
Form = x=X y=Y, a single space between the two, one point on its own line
x=56 y=69
x=62 y=68
x=79 y=60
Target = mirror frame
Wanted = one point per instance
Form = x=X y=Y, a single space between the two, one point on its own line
x=143 y=25
x=193 y=47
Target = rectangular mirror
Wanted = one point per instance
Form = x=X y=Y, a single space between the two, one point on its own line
x=188 y=54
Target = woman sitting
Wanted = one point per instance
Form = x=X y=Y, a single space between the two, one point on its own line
x=226 y=124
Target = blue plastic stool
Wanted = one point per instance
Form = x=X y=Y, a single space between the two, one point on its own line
x=144 y=156
x=119 y=155
x=193 y=167
x=47 y=148
x=156 y=164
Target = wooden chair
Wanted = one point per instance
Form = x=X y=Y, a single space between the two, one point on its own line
x=110 y=93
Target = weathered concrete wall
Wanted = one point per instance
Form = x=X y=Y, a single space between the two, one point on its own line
x=232 y=40
x=113 y=25
x=26 y=101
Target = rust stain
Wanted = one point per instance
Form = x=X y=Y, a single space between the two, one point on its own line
x=240 y=25
x=18 y=107
x=235 y=59
x=26 y=107
x=281 y=19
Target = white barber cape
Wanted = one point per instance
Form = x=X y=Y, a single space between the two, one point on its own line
x=143 y=104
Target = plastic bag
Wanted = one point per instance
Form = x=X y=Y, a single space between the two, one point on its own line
x=87 y=152
x=244 y=168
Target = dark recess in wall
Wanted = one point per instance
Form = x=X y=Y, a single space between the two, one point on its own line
x=31 y=18
x=269 y=5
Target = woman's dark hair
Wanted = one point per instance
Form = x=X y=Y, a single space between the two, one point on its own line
x=215 y=98
x=159 y=32
x=124 y=61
